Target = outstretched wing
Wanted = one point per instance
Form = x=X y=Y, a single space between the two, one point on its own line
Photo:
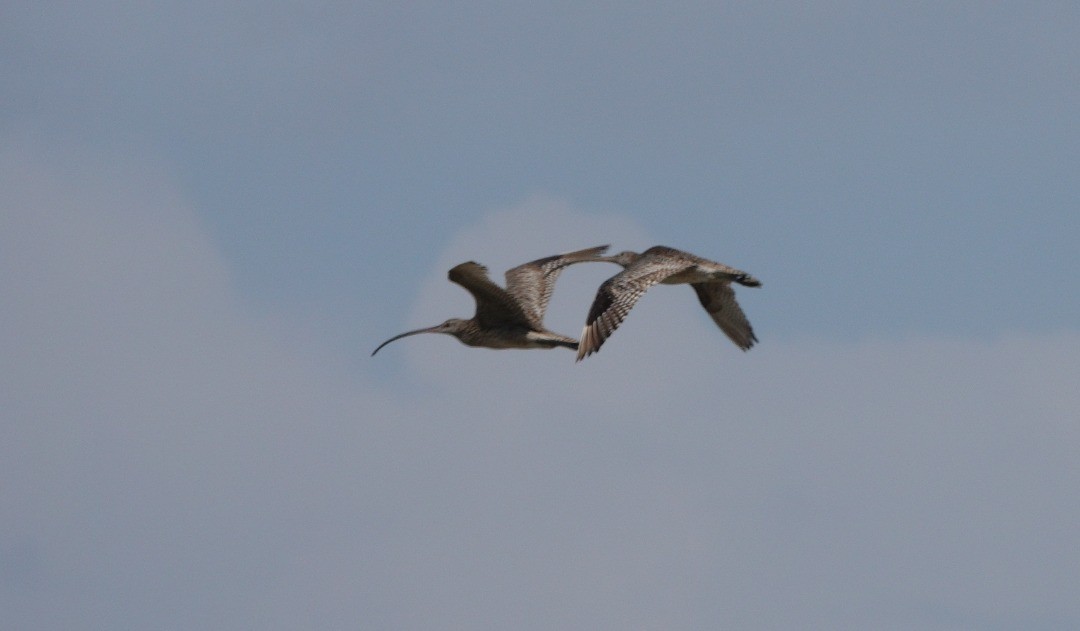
x=618 y=294
x=719 y=300
x=494 y=306
x=531 y=284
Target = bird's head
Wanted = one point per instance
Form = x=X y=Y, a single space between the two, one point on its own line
x=450 y=327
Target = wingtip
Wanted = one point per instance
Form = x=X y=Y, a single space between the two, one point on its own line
x=749 y=343
x=587 y=253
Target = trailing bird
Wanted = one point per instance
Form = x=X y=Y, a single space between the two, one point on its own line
x=511 y=317
x=660 y=264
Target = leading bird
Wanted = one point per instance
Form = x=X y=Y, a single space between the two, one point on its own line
x=660 y=264
x=512 y=317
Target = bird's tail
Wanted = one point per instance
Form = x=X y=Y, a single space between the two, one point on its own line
x=747 y=280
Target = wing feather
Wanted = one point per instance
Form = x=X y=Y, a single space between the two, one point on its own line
x=618 y=294
x=532 y=283
x=718 y=298
x=494 y=306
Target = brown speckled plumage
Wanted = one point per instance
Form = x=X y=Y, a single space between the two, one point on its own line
x=512 y=317
x=659 y=264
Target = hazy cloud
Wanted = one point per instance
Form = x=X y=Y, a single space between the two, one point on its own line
x=168 y=459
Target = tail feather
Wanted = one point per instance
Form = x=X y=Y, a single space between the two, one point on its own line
x=747 y=280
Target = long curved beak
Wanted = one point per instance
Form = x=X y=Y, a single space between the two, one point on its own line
x=430 y=329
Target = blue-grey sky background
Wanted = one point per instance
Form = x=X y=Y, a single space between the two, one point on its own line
x=211 y=213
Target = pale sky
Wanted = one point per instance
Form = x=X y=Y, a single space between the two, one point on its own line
x=210 y=214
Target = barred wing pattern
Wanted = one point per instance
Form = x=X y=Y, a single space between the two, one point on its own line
x=618 y=294
x=532 y=283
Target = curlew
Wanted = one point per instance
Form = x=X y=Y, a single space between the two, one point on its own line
x=511 y=317
x=659 y=264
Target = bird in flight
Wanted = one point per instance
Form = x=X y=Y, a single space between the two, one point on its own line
x=511 y=317
x=660 y=264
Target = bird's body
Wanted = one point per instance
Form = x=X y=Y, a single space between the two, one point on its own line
x=660 y=264
x=511 y=317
